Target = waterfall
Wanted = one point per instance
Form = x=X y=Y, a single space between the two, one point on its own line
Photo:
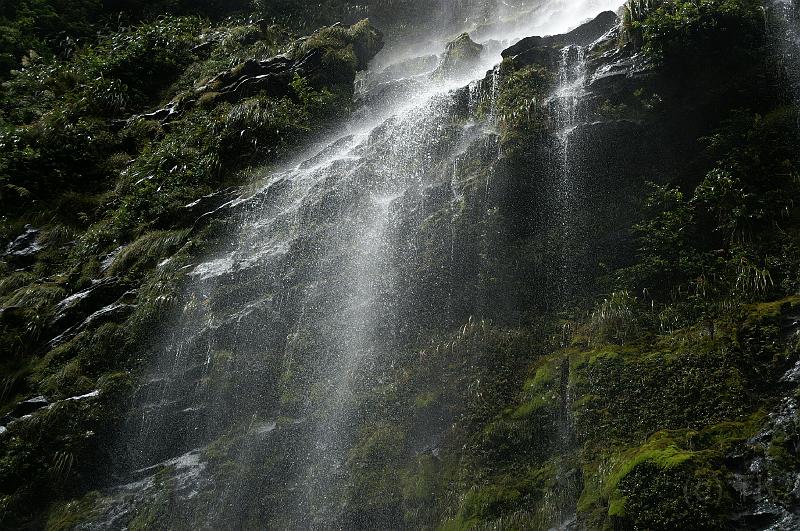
x=567 y=112
x=784 y=25
x=289 y=323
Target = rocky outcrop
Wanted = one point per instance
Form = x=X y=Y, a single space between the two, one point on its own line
x=308 y=58
x=25 y=246
x=460 y=56
x=545 y=50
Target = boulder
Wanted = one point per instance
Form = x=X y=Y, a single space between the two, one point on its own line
x=25 y=246
x=460 y=56
x=26 y=407
x=544 y=50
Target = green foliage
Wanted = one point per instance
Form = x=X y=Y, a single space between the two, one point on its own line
x=108 y=189
x=52 y=453
x=614 y=318
x=67 y=515
x=674 y=30
x=718 y=248
x=520 y=99
x=634 y=15
x=676 y=479
x=63 y=140
x=344 y=50
x=57 y=28
x=141 y=255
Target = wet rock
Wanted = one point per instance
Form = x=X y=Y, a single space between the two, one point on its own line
x=79 y=306
x=583 y=35
x=544 y=50
x=460 y=56
x=24 y=246
x=24 y=408
x=185 y=475
x=404 y=69
x=272 y=77
x=204 y=48
x=108 y=260
x=197 y=213
x=768 y=489
x=116 y=312
x=389 y=92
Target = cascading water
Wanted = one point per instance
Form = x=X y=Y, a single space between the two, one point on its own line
x=566 y=103
x=759 y=485
x=784 y=19
x=286 y=328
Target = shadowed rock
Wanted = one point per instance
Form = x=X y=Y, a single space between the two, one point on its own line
x=545 y=50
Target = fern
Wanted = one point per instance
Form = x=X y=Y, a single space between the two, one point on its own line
x=634 y=13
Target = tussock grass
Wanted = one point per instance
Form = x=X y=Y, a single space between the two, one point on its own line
x=147 y=251
x=614 y=319
x=37 y=296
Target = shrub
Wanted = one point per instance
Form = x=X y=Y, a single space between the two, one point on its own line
x=634 y=15
x=674 y=30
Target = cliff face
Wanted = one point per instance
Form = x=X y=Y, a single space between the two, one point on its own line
x=563 y=295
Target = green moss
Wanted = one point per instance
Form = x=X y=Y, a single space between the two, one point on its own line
x=675 y=479
x=345 y=50
x=520 y=101
x=488 y=502
x=426 y=400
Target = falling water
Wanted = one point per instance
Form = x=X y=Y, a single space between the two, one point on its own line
x=784 y=22
x=289 y=322
x=566 y=106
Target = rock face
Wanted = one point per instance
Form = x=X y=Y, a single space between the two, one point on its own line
x=460 y=56
x=438 y=318
x=546 y=50
x=583 y=35
x=273 y=77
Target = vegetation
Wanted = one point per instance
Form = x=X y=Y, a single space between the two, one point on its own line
x=106 y=184
x=668 y=30
x=620 y=370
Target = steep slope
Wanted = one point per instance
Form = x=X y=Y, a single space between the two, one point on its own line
x=560 y=295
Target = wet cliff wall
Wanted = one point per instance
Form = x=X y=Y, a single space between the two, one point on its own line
x=598 y=272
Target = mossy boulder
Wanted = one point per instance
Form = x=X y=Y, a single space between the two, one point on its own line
x=460 y=56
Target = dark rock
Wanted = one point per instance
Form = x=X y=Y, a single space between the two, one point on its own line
x=172 y=110
x=768 y=491
x=209 y=202
x=23 y=408
x=584 y=35
x=79 y=306
x=204 y=48
x=13 y=315
x=196 y=213
x=272 y=77
x=619 y=75
x=25 y=245
x=116 y=312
